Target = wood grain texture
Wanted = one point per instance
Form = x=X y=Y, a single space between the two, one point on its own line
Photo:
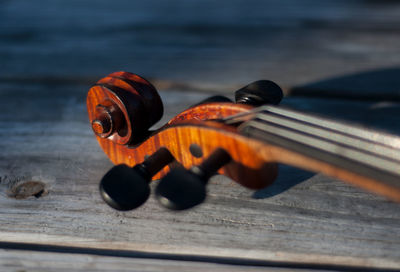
x=293 y=43
x=303 y=217
x=14 y=260
x=253 y=164
x=247 y=167
x=130 y=144
x=50 y=54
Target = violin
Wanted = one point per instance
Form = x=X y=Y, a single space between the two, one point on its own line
x=244 y=140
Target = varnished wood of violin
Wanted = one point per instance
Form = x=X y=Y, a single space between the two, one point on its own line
x=248 y=168
x=133 y=105
x=122 y=107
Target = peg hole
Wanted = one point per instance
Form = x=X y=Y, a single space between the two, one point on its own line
x=196 y=150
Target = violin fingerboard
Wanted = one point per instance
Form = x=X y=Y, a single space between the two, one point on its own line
x=365 y=152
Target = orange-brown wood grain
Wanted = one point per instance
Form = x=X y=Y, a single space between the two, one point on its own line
x=253 y=165
x=247 y=166
x=254 y=162
x=285 y=156
x=210 y=111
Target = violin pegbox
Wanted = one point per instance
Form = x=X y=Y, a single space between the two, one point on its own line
x=122 y=107
x=234 y=139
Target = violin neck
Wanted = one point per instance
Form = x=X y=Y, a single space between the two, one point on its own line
x=367 y=158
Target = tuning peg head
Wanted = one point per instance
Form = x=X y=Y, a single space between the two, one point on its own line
x=124 y=188
x=259 y=93
x=181 y=189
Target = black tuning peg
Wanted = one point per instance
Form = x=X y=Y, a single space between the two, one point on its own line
x=182 y=189
x=259 y=93
x=125 y=188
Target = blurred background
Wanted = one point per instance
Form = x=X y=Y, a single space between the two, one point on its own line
x=197 y=45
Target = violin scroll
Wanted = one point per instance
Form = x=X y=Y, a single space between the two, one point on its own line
x=233 y=139
x=122 y=107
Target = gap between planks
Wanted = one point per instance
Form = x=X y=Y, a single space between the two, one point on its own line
x=66 y=244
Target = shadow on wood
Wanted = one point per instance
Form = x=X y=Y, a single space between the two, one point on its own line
x=380 y=84
x=287 y=178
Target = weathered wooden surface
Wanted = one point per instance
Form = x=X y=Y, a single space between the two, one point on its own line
x=198 y=44
x=13 y=260
x=51 y=52
x=303 y=218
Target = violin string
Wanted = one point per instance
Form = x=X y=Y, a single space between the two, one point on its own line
x=334 y=144
x=334 y=134
x=384 y=170
x=241 y=117
x=377 y=137
x=378 y=143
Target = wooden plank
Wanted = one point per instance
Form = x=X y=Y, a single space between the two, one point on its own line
x=302 y=218
x=212 y=45
x=26 y=260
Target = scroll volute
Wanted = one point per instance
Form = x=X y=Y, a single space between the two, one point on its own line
x=122 y=107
